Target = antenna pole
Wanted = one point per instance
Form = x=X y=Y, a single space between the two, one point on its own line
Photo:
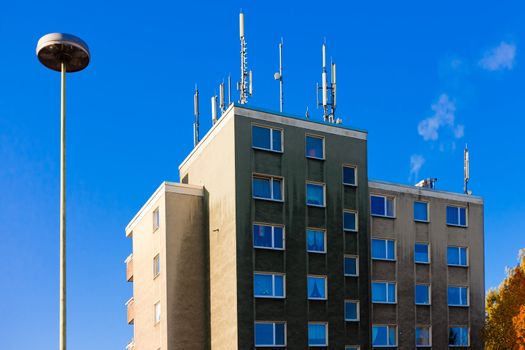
x=221 y=97
x=196 y=113
x=214 y=109
x=324 y=85
x=229 y=90
x=334 y=91
x=466 y=169
x=281 y=76
x=242 y=86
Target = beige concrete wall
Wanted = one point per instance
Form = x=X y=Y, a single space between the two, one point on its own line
x=212 y=165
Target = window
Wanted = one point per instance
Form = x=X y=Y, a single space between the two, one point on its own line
x=157 y=312
x=457 y=296
x=422 y=253
x=270 y=334
x=350 y=221
x=268 y=285
x=383 y=249
x=351 y=310
x=316 y=240
x=351 y=266
x=268 y=236
x=456 y=216
x=317 y=287
x=349 y=175
x=421 y=211
x=156 y=219
x=314 y=147
x=382 y=206
x=267 y=138
x=267 y=187
x=423 y=336
x=457 y=256
x=384 y=336
x=422 y=294
x=315 y=194
x=458 y=336
x=317 y=334
x=156 y=265
x=384 y=292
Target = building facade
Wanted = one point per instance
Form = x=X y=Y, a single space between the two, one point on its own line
x=275 y=238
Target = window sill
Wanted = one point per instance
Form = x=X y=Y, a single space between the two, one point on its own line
x=268 y=297
x=383 y=303
x=350 y=185
x=382 y=216
x=351 y=320
x=423 y=304
x=315 y=158
x=318 y=299
x=316 y=205
x=351 y=275
x=422 y=263
x=348 y=230
x=381 y=259
x=268 y=248
x=315 y=252
x=422 y=221
x=452 y=265
x=267 y=150
x=461 y=306
x=269 y=199
x=454 y=225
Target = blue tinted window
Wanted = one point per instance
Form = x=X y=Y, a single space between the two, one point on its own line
x=423 y=336
x=316 y=287
x=316 y=241
x=422 y=294
x=317 y=334
x=377 y=205
x=463 y=216
x=384 y=336
x=315 y=194
x=458 y=336
x=262 y=236
x=314 y=147
x=349 y=221
x=351 y=311
x=457 y=296
x=421 y=211
x=270 y=334
x=457 y=256
x=421 y=253
x=456 y=216
x=350 y=266
x=268 y=285
x=278 y=237
x=266 y=138
x=383 y=249
x=383 y=292
x=267 y=188
x=280 y=334
x=277 y=140
x=277 y=192
x=349 y=175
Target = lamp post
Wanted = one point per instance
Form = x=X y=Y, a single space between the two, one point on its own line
x=63 y=53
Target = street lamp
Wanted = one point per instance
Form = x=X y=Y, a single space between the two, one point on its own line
x=63 y=53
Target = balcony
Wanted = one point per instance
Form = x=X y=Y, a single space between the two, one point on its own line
x=129 y=268
x=131 y=310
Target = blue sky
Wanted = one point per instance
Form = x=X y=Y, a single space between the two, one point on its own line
x=423 y=78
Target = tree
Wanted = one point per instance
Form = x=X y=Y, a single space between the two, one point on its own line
x=505 y=311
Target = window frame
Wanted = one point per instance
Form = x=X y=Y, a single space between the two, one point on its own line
x=429 y=327
x=271 y=178
x=458 y=305
x=272 y=129
x=358 y=313
x=325 y=277
x=156 y=266
x=273 y=226
x=428 y=211
x=325 y=324
x=274 y=323
x=459 y=256
x=306 y=136
x=156 y=219
x=156 y=307
x=324 y=240
x=458 y=207
x=387 y=284
x=429 y=294
x=323 y=185
x=350 y=256
x=386 y=197
x=428 y=254
x=352 y=347
x=273 y=274
x=355 y=175
x=386 y=240
x=468 y=336
x=388 y=326
x=356 y=220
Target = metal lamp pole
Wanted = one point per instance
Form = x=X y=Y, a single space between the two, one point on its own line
x=63 y=53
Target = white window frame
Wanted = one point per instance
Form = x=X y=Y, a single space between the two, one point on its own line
x=459 y=305
x=324 y=193
x=428 y=212
x=429 y=293
x=429 y=336
x=468 y=336
x=388 y=326
x=272 y=129
x=459 y=248
x=156 y=219
x=387 y=283
x=325 y=287
x=273 y=226
x=358 y=313
x=306 y=146
x=385 y=240
x=273 y=296
x=156 y=266
x=156 y=313
x=355 y=174
x=326 y=334
x=386 y=197
x=350 y=347
x=458 y=207
x=274 y=323
x=356 y=218
x=356 y=257
x=272 y=179
x=428 y=253
x=324 y=237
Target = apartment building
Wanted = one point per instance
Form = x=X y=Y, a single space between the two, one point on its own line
x=276 y=238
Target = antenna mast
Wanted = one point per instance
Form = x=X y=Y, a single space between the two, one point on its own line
x=279 y=76
x=214 y=109
x=245 y=88
x=466 y=170
x=221 y=97
x=328 y=105
x=196 y=113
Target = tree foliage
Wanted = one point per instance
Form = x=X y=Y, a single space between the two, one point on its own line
x=505 y=308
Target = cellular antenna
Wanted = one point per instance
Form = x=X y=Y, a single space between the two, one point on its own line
x=214 y=109
x=221 y=97
x=328 y=101
x=279 y=76
x=245 y=88
x=229 y=90
x=196 y=113
x=466 y=170
x=324 y=86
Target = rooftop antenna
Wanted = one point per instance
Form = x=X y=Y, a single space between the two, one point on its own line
x=245 y=88
x=466 y=170
x=328 y=105
x=214 y=109
x=307 y=114
x=221 y=97
x=196 y=113
x=279 y=76
x=229 y=89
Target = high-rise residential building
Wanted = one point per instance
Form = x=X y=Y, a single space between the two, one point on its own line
x=276 y=238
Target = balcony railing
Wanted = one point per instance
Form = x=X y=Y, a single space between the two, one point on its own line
x=131 y=310
x=129 y=268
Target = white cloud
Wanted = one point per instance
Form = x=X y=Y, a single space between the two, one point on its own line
x=416 y=163
x=499 y=58
x=444 y=115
